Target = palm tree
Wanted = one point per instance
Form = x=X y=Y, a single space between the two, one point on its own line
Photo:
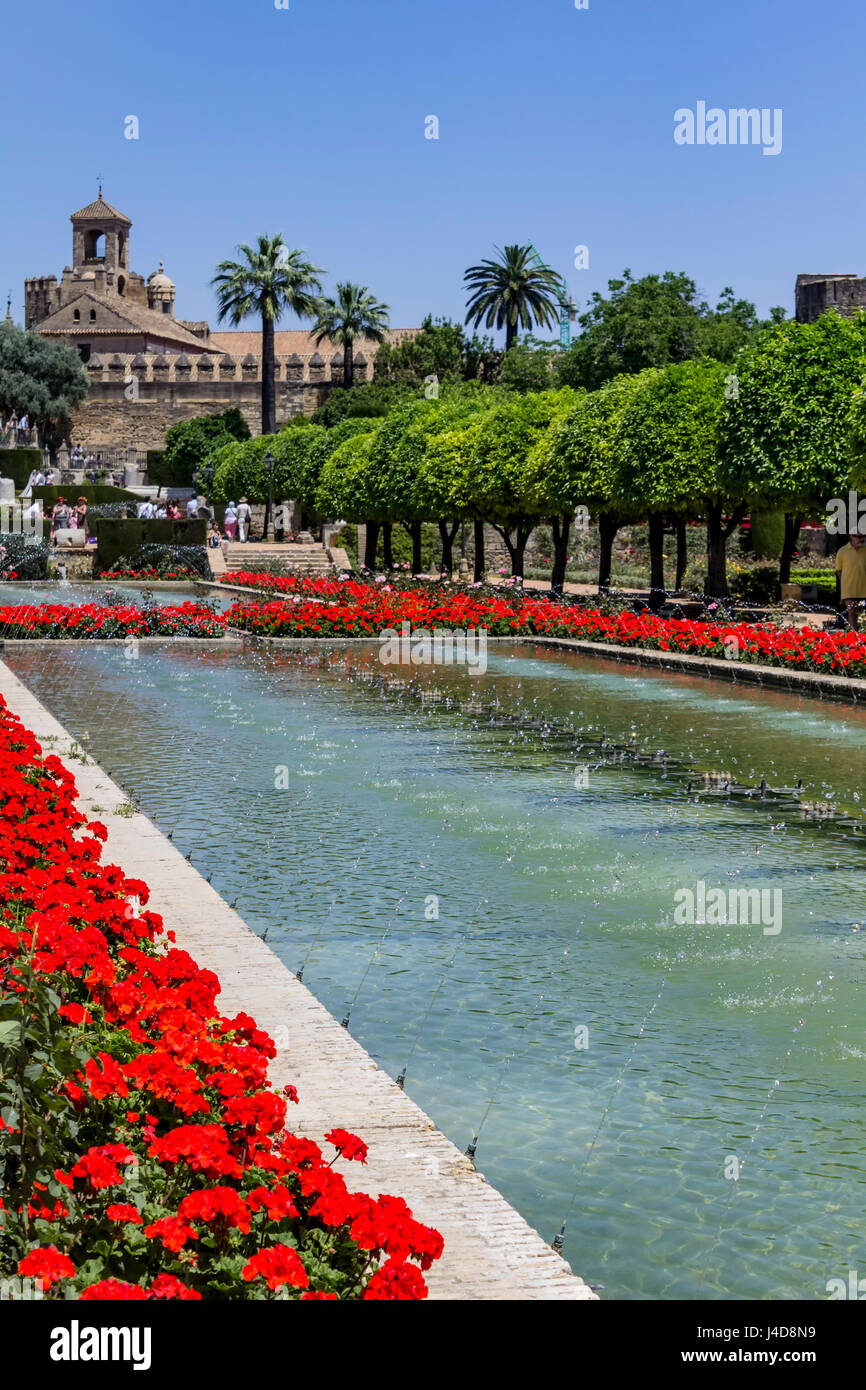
x=353 y=314
x=268 y=280
x=513 y=293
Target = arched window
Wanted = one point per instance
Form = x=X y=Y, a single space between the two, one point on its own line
x=77 y=315
x=93 y=316
x=94 y=246
x=121 y=284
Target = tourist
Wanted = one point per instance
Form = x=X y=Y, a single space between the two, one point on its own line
x=60 y=517
x=28 y=491
x=23 y=429
x=160 y=512
x=192 y=509
x=230 y=521
x=173 y=512
x=144 y=510
x=214 y=539
x=50 y=477
x=39 y=480
x=80 y=514
x=851 y=568
x=245 y=516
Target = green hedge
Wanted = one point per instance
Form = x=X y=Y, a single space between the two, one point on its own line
x=115 y=538
x=161 y=472
x=91 y=492
x=19 y=464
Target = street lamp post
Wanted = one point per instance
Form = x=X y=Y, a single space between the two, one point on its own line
x=269 y=526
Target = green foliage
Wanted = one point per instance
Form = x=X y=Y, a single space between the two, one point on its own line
x=345 y=492
x=667 y=439
x=93 y=493
x=116 y=538
x=513 y=292
x=786 y=435
x=40 y=378
x=299 y=457
x=366 y=400
x=576 y=462
x=496 y=486
x=437 y=350
x=529 y=366
x=653 y=322
x=352 y=314
x=767 y=534
x=18 y=464
x=191 y=443
x=758 y=584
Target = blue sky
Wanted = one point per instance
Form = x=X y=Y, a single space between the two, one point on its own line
x=555 y=126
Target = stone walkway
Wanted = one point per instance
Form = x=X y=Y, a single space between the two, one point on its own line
x=490 y=1251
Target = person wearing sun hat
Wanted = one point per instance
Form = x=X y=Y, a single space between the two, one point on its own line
x=244 y=518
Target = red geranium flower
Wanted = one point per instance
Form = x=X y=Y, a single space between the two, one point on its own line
x=47 y=1264
x=278 y=1265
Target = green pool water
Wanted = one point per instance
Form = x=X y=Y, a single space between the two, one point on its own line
x=441 y=878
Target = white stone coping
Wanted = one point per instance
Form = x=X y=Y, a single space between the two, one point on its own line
x=490 y=1250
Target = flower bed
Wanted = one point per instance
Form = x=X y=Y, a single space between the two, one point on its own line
x=176 y=572
x=91 y=620
x=334 y=608
x=142 y=1153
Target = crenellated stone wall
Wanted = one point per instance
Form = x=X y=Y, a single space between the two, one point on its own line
x=134 y=400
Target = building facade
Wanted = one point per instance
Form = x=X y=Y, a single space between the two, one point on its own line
x=149 y=369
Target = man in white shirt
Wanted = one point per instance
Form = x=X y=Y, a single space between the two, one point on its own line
x=192 y=509
x=244 y=518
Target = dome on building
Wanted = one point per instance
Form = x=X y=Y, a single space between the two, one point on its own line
x=158 y=280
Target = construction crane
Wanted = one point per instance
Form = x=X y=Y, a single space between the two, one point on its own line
x=567 y=306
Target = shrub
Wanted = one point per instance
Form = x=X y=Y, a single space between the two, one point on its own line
x=190 y=443
x=18 y=464
x=117 y=537
x=760 y=584
x=91 y=492
x=767 y=534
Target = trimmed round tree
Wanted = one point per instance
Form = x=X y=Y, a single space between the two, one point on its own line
x=575 y=464
x=497 y=477
x=667 y=448
x=344 y=489
x=786 y=438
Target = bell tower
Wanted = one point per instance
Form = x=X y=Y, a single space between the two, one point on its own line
x=100 y=246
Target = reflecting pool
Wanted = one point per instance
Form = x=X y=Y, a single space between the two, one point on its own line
x=462 y=868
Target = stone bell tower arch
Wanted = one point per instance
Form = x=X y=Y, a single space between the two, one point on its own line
x=100 y=246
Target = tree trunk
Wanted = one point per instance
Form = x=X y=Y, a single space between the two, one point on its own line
x=348 y=364
x=792 y=533
x=717 y=538
x=517 y=547
x=607 y=529
x=269 y=389
x=561 y=536
x=372 y=545
x=479 y=551
x=387 y=552
x=657 y=561
x=510 y=335
x=446 y=535
x=414 y=529
x=682 y=554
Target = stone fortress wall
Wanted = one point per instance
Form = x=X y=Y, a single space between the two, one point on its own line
x=134 y=399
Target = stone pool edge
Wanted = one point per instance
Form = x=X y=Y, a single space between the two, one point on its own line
x=491 y=1252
